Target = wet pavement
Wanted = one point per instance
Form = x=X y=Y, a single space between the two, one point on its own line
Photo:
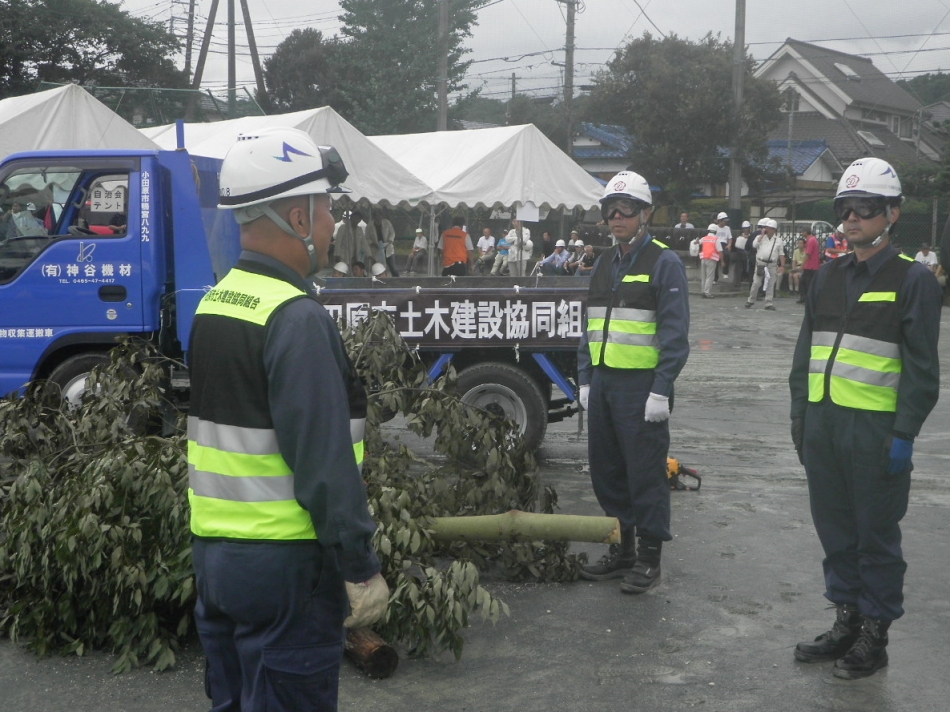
x=741 y=584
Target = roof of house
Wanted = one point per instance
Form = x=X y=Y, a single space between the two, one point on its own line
x=614 y=141
x=855 y=76
x=844 y=141
x=804 y=153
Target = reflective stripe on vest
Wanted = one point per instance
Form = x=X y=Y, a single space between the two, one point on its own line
x=240 y=486
x=357 y=429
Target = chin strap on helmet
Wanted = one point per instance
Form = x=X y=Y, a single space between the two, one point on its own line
x=307 y=241
x=887 y=230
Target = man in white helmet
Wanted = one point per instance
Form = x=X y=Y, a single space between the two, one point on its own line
x=724 y=232
x=634 y=344
x=864 y=377
x=769 y=263
x=281 y=528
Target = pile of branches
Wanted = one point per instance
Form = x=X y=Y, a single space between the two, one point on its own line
x=95 y=549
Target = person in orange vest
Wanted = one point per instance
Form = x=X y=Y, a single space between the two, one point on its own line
x=456 y=247
x=710 y=250
x=836 y=245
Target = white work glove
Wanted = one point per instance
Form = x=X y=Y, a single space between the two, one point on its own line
x=583 y=396
x=368 y=601
x=657 y=409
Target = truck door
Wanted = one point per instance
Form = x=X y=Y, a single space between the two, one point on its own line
x=70 y=268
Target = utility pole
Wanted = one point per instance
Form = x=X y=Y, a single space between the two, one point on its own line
x=738 y=78
x=232 y=66
x=189 y=38
x=569 y=74
x=443 y=120
x=255 y=59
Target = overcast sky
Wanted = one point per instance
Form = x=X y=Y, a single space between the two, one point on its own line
x=526 y=37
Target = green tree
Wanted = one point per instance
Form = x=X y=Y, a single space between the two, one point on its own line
x=83 y=41
x=395 y=54
x=675 y=98
x=304 y=72
x=928 y=88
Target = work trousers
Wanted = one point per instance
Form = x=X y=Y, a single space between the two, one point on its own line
x=772 y=269
x=501 y=263
x=416 y=261
x=857 y=507
x=270 y=618
x=807 y=276
x=627 y=454
x=707 y=273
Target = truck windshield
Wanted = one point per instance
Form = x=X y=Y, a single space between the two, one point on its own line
x=41 y=204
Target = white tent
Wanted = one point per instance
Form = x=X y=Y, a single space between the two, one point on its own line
x=497 y=167
x=65 y=117
x=374 y=176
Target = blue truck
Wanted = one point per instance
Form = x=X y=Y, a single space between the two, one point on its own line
x=99 y=245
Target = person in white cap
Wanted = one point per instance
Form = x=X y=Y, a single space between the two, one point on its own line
x=378 y=270
x=420 y=250
x=586 y=265
x=769 y=263
x=865 y=376
x=710 y=253
x=340 y=269
x=281 y=529
x=724 y=233
x=575 y=257
x=556 y=262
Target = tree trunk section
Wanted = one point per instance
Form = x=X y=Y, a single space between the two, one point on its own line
x=372 y=654
x=526 y=526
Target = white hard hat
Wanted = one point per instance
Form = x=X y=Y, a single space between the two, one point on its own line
x=377 y=269
x=628 y=184
x=418 y=230
x=769 y=222
x=761 y=222
x=722 y=216
x=278 y=163
x=575 y=232
x=713 y=228
x=840 y=228
x=560 y=243
x=746 y=223
x=869 y=177
x=578 y=243
x=341 y=267
x=31 y=207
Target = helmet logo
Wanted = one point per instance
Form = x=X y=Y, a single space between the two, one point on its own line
x=619 y=185
x=889 y=172
x=852 y=181
x=288 y=149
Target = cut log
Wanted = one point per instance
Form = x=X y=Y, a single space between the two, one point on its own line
x=371 y=653
x=526 y=526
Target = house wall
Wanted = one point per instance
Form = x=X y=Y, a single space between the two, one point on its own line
x=787 y=64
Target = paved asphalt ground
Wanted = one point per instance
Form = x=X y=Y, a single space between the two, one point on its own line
x=741 y=581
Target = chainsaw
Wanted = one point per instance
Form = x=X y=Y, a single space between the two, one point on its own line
x=675 y=471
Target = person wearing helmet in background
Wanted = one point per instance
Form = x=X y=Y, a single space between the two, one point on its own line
x=769 y=263
x=737 y=255
x=710 y=252
x=724 y=232
x=836 y=244
x=282 y=534
x=556 y=262
x=864 y=378
x=378 y=270
x=576 y=257
x=633 y=346
x=340 y=269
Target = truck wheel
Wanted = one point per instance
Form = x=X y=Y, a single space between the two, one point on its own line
x=508 y=392
x=72 y=373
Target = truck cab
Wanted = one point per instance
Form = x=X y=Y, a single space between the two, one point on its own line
x=95 y=246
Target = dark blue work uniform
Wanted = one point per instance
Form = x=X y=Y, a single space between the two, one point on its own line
x=627 y=454
x=855 y=504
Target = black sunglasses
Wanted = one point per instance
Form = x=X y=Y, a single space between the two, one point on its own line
x=626 y=207
x=864 y=208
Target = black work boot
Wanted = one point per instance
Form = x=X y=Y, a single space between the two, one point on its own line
x=834 y=643
x=617 y=562
x=868 y=654
x=646 y=572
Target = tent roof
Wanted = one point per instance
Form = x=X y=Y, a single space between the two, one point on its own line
x=374 y=176
x=494 y=167
x=63 y=118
